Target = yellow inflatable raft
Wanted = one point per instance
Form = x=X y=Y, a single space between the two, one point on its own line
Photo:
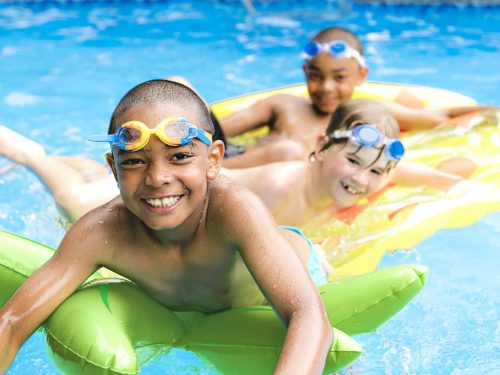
x=400 y=218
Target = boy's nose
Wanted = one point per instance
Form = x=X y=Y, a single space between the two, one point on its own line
x=158 y=175
x=361 y=177
x=329 y=84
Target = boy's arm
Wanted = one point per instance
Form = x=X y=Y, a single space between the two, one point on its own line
x=286 y=284
x=42 y=292
x=419 y=118
x=412 y=174
x=258 y=114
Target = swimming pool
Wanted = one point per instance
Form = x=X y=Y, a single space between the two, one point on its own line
x=64 y=67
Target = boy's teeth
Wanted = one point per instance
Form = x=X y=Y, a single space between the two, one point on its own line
x=352 y=191
x=163 y=202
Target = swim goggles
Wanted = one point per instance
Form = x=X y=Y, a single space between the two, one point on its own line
x=336 y=48
x=173 y=131
x=369 y=136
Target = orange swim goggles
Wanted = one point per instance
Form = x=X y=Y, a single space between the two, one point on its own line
x=173 y=131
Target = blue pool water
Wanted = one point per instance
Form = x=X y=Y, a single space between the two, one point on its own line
x=63 y=68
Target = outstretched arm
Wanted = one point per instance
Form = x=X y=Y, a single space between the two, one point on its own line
x=258 y=114
x=42 y=292
x=285 y=282
x=413 y=174
x=419 y=118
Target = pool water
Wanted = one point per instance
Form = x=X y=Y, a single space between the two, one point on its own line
x=65 y=66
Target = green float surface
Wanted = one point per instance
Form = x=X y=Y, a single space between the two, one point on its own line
x=112 y=327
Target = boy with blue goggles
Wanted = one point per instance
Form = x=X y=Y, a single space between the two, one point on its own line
x=366 y=135
x=173 y=131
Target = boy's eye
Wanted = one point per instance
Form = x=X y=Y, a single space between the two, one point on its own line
x=180 y=156
x=340 y=77
x=312 y=75
x=131 y=163
x=353 y=160
x=377 y=172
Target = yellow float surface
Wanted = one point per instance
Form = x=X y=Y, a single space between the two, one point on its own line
x=400 y=218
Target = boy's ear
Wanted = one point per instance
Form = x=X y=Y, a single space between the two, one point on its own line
x=215 y=156
x=110 y=159
x=321 y=141
x=304 y=68
x=363 y=72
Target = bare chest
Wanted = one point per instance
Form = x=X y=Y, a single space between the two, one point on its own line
x=181 y=278
x=303 y=126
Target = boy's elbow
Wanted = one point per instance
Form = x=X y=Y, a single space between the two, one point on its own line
x=328 y=335
x=9 y=345
x=326 y=330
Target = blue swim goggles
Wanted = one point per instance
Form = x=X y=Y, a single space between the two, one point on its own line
x=336 y=48
x=369 y=136
x=173 y=131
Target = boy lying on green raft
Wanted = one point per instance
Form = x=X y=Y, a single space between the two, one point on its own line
x=188 y=239
x=112 y=327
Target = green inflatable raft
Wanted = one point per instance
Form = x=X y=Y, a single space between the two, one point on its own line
x=110 y=326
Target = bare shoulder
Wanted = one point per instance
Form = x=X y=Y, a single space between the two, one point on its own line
x=225 y=193
x=99 y=230
x=235 y=207
x=287 y=100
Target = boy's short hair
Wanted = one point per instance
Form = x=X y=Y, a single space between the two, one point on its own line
x=361 y=111
x=162 y=91
x=339 y=33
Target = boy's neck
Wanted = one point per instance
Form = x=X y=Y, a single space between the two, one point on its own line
x=318 y=112
x=317 y=198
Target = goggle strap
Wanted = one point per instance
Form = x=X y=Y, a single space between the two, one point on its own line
x=357 y=56
x=204 y=136
x=102 y=138
x=342 y=134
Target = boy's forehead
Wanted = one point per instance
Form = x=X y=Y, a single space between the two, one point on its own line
x=152 y=115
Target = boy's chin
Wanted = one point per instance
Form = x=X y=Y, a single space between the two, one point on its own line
x=324 y=110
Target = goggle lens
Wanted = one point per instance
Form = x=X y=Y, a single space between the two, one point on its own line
x=396 y=150
x=368 y=136
x=312 y=49
x=177 y=129
x=128 y=135
x=338 y=48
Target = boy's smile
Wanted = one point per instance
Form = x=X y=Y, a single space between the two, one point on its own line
x=332 y=80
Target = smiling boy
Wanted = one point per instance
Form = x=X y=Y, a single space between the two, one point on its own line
x=190 y=240
x=295 y=122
